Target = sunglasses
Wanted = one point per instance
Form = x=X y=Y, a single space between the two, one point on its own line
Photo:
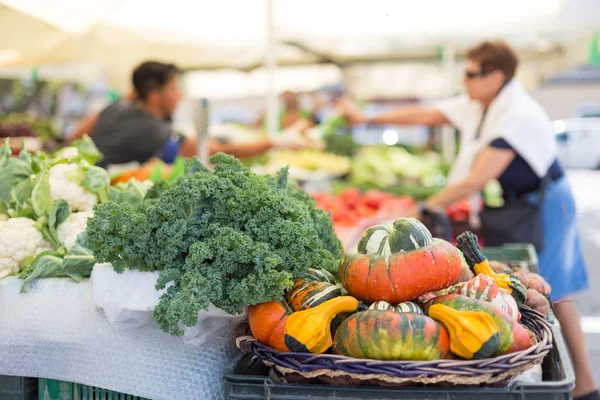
x=473 y=75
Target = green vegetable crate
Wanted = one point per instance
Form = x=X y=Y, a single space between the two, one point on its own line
x=515 y=253
x=249 y=379
x=18 y=388
x=58 y=390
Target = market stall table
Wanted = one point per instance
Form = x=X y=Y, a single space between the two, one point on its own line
x=54 y=331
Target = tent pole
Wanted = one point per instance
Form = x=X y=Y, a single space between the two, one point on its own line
x=270 y=67
x=448 y=67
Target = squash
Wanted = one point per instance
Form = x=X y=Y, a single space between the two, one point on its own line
x=319 y=275
x=506 y=302
x=309 y=331
x=473 y=334
x=404 y=234
x=482 y=287
x=510 y=339
x=402 y=276
x=407 y=307
x=479 y=264
x=389 y=335
x=307 y=294
x=381 y=305
x=267 y=323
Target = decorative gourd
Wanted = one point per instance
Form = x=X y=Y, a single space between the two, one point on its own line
x=473 y=334
x=382 y=306
x=479 y=264
x=307 y=294
x=506 y=302
x=509 y=341
x=482 y=287
x=309 y=331
x=319 y=275
x=406 y=307
x=402 y=276
x=389 y=335
x=267 y=323
x=404 y=234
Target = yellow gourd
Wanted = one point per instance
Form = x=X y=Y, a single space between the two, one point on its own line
x=473 y=334
x=309 y=331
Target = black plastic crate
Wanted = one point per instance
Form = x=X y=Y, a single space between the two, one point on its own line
x=248 y=379
x=18 y=388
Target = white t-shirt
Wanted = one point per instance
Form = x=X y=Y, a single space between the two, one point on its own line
x=513 y=116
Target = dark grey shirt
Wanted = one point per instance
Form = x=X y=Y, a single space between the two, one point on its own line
x=125 y=133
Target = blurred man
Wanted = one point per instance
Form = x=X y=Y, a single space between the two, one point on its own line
x=138 y=129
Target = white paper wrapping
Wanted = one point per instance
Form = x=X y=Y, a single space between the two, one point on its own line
x=128 y=298
x=55 y=331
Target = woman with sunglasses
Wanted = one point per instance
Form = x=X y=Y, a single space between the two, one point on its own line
x=507 y=136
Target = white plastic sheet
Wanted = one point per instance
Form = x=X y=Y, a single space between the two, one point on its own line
x=127 y=300
x=55 y=331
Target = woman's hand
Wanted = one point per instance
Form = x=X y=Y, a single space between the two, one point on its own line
x=349 y=110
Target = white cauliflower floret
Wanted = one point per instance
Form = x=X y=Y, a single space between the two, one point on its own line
x=19 y=239
x=61 y=187
x=67 y=153
x=72 y=227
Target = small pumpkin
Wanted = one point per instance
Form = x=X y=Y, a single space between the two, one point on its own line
x=307 y=294
x=506 y=302
x=473 y=334
x=407 y=306
x=511 y=338
x=389 y=335
x=481 y=287
x=267 y=322
x=402 y=276
x=405 y=234
x=309 y=331
x=319 y=275
x=479 y=264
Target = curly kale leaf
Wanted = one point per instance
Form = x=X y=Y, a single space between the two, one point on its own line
x=229 y=237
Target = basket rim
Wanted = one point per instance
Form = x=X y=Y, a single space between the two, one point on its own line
x=441 y=370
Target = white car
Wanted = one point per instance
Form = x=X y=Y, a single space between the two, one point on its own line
x=578 y=142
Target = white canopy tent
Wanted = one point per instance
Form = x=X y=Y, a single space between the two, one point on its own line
x=117 y=34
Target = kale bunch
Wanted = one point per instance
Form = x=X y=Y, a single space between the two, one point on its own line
x=228 y=237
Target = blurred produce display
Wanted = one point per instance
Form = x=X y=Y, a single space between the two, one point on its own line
x=350 y=206
x=23 y=125
x=390 y=166
x=307 y=164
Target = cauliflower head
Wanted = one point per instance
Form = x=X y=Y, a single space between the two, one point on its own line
x=72 y=227
x=61 y=187
x=19 y=239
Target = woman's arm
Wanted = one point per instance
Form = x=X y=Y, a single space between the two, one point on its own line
x=414 y=115
x=411 y=116
x=490 y=164
x=85 y=126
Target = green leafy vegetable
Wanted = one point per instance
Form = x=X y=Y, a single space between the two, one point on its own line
x=76 y=264
x=132 y=192
x=47 y=225
x=88 y=150
x=47 y=264
x=41 y=200
x=228 y=237
x=12 y=171
x=157 y=175
x=178 y=170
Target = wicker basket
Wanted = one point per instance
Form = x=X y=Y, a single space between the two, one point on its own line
x=343 y=370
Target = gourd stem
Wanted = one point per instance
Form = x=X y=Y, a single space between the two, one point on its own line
x=467 y=243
